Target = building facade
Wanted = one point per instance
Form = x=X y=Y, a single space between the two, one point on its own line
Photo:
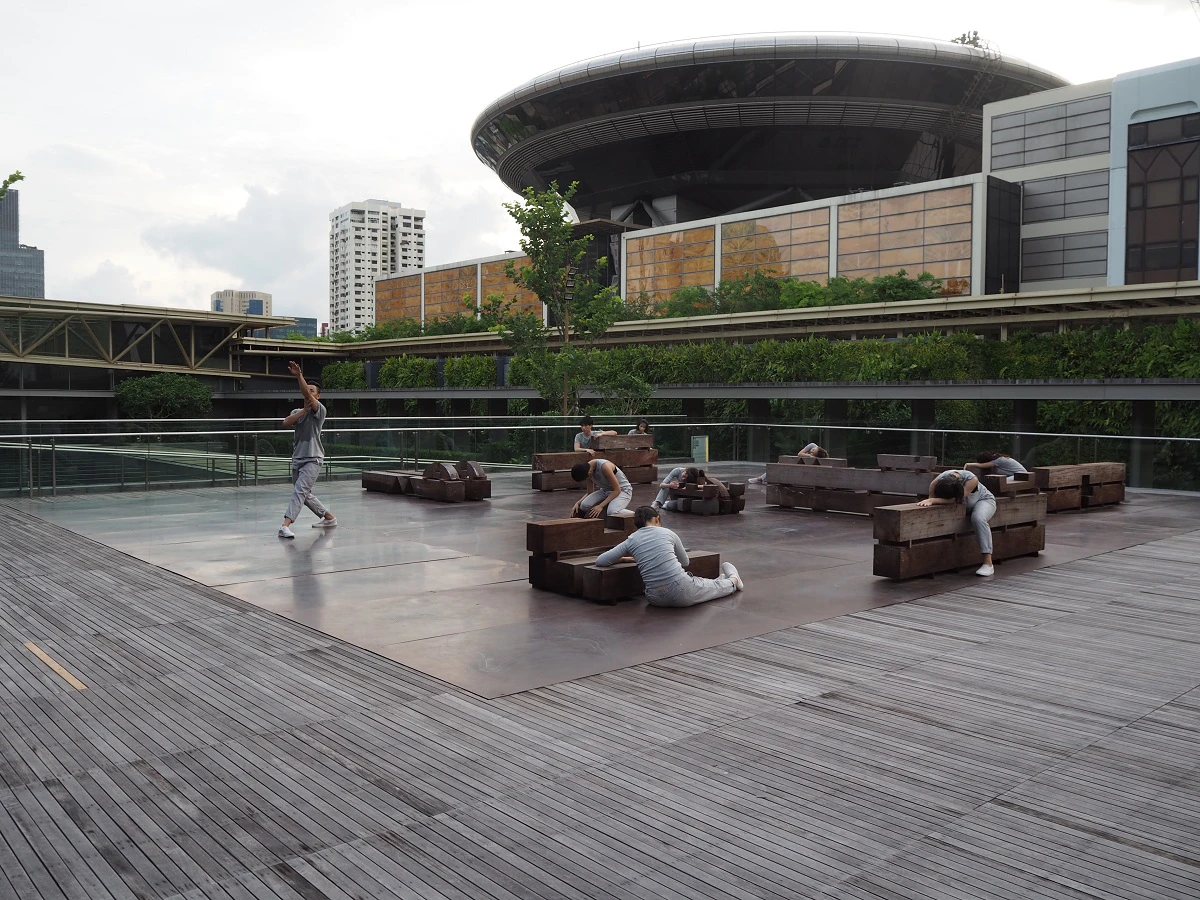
x=367 y=240
x=241 y=303
x=22 y=268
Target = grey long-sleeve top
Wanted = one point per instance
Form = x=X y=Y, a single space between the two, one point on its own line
x=658 y=552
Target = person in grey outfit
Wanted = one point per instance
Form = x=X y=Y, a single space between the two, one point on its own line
x=672 y=480
x=307 y=455
x=612 y=490
x=660 y=559
x=961 y=486
x=1000 y=463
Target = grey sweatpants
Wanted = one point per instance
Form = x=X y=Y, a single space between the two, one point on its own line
x=690 y=590
x=595 y=498
x=981 y=509
x=663 y=494
x=304 y=475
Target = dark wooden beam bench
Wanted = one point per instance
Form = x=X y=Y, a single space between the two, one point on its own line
x=1081 y=486
x=703 y=499
x=633 y=454
x=844 y=489
x=563 y=555
x=914 y=540
x=447 y=482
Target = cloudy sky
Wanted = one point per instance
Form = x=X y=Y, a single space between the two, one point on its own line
x=173 y=149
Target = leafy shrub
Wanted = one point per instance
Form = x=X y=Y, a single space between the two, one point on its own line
x=470 y=371
x=400 y=372
x=164 y=396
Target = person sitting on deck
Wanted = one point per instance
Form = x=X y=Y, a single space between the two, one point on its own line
x=660 y=559
x=611 y=492
x=961 y=486
x=586 y=436
x=1000 y=463
x=812 y=451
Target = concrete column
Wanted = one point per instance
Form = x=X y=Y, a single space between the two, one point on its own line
x=923 y=415
x=837 y=412
x=759 y=436
x=1141 y=453
x=693 y=408
x=1024 y=419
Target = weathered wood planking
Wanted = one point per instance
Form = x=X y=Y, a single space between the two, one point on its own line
x=812 y=461
x=905 y=463
x=893 y=482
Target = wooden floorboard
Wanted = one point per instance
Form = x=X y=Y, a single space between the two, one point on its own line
x=1033 y=737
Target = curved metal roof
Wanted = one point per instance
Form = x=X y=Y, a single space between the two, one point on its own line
x=734 y=48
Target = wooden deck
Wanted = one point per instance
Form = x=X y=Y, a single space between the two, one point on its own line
x=1034 y=737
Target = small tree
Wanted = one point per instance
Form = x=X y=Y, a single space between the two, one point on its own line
x=969 y=39
x=164 y=396
x=577 y=298
x=9 y=182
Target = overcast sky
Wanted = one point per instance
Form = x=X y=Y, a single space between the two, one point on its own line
x=177 y=148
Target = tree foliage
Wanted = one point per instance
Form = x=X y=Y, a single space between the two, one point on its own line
x=164 y=396
x=344 y=376
x=969 y=39
x=9 y=182
x=400 y=372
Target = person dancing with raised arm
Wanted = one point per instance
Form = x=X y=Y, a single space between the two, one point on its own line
x=660 y=559
x=961 y=486
x=307 y=455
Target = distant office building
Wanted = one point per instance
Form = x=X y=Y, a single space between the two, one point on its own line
x=303 y=326
x=367 y=239
x=22 y=268
x=242 y=303
x=324 y=329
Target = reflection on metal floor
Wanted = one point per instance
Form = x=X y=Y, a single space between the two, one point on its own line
x=442 y=588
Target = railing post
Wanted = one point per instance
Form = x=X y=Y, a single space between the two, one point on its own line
x=256 y=459
x=237 y=463
x=146 y=467
x=29 y=459
x=53 y=467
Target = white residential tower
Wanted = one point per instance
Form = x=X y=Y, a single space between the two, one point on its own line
x=374 y=237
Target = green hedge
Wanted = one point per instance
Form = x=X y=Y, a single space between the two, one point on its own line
x=344 y=376
x=408 y=372
x=470 y=371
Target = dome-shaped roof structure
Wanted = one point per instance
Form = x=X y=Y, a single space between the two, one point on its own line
x=725 y=123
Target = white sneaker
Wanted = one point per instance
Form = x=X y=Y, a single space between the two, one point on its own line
x=285 y=532
x=731 y=573
x=325 y=523
x=986 y=570
x=757 y=479
x=657 y=506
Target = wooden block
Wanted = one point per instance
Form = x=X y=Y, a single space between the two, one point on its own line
x=558 y=462
x=1104 y=472
x=641 y=474
x=736 y=488
x=693 y=492
x=891 y=482
x=438 y=489
x=911 y=522
x=1058 y=476
x=468 y=469
x=623 y=442
x=562 y=535
x=382 y=482
x=1103 y=494
x=440 y=471
x=1060 y=499
x=556 y=481
x=946 y=554
x=477 y=489
x=631 y=459
x=622 y=522
x=905 y=463
x=835 y=462
x=999 y=485
x=623 y=459
x=822 y=500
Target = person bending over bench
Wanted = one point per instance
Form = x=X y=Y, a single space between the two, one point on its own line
x=673 y=480
x=1000 y=464
x=692 y=475
x=660 y=559
x=810 y=450
x=961 y=486
x=611 y=491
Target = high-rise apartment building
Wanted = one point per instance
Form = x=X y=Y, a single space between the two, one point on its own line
x=374 y=237
x=242 y=303
x=22 y=268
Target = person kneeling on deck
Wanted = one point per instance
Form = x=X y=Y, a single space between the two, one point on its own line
x=1000 y=463
x=698 y=477
x=611 y=492
x=810 y=450
x=961 y=486
x=660 y=559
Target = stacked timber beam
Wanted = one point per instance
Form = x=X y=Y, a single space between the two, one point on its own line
x=633 y=454
x=440 y=481
x=1000 y=485
x=914 y=540
x=563 y=555
x=1081 y=486
x=832 y=486
x=703 y=499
